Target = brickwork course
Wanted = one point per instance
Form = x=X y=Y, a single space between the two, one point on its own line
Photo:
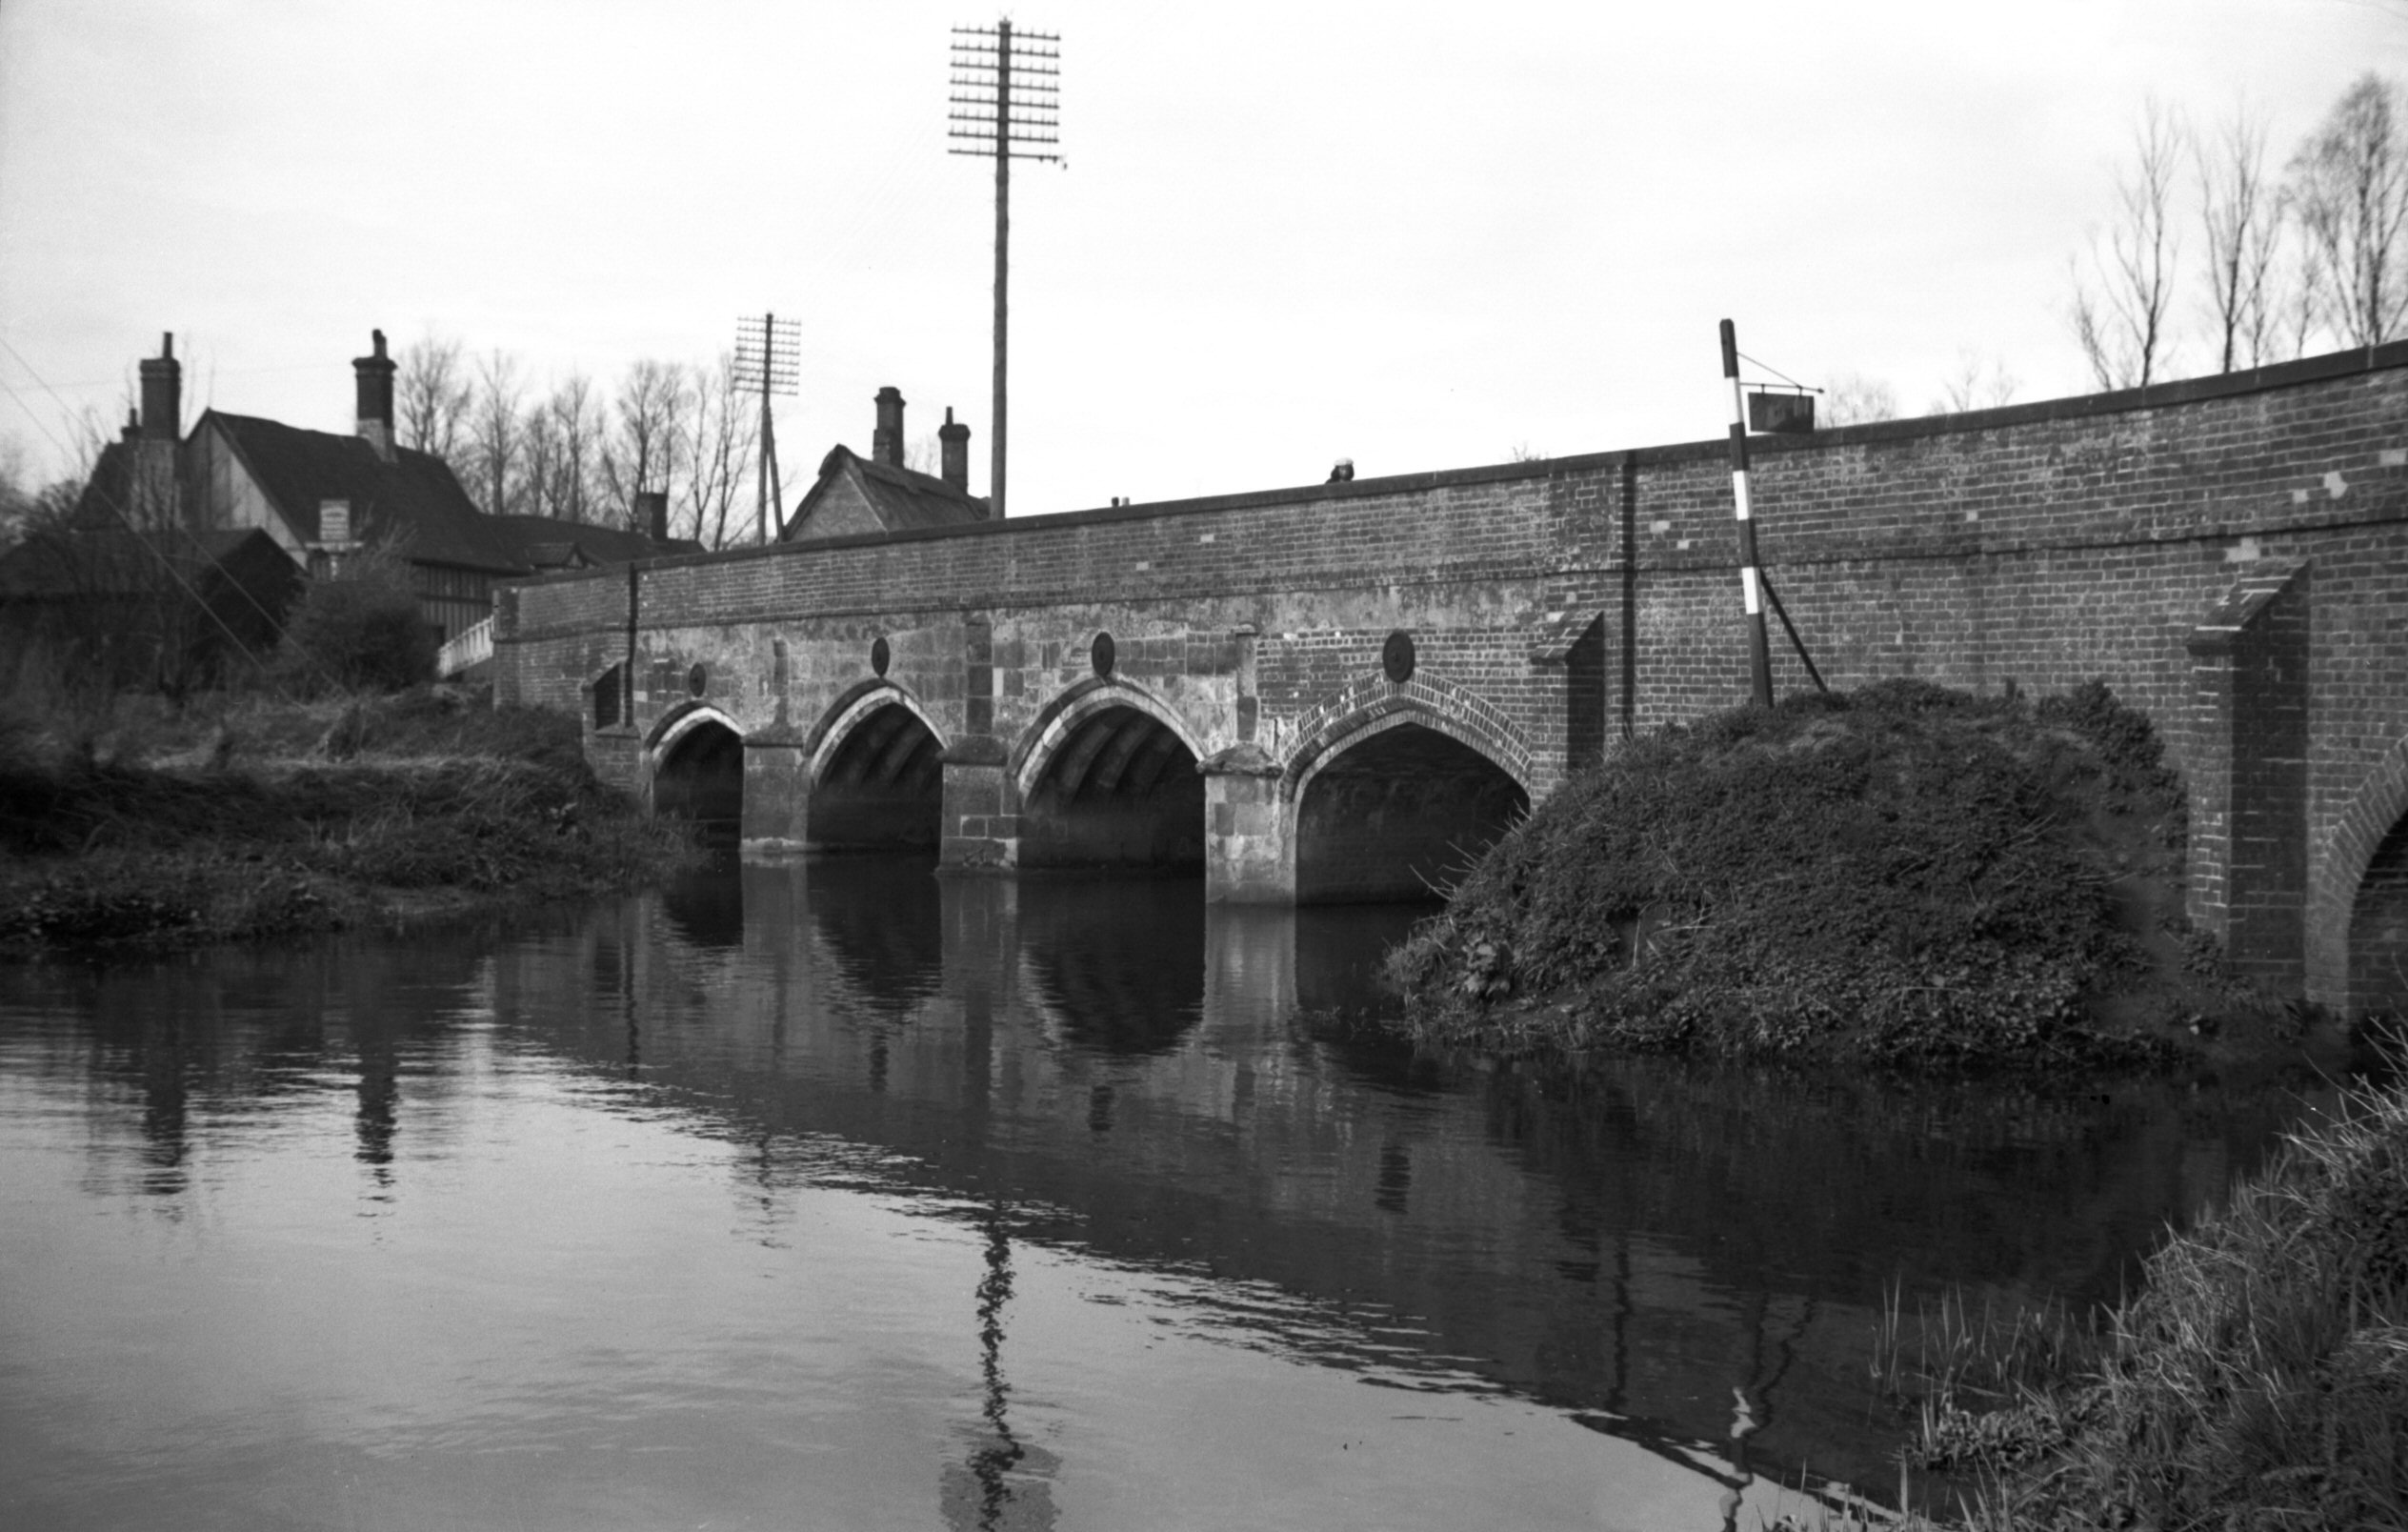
x=2229 y=555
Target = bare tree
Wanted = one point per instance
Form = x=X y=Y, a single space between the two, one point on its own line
x=497 y=433
x=2119 y=310
x=721 y=433
x=430 y=394
x=1852 y=399
x=538 y=460
x=2348 y=185
x=577 y=431
x=2241 y=216
x=647 y=416
x=1972 y=387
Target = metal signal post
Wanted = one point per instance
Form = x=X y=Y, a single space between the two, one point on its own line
x=1005 y=93
x=1751 y=585
x=768 y=359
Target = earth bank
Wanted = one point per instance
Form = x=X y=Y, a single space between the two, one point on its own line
x=1903 y=874
x=246 y=818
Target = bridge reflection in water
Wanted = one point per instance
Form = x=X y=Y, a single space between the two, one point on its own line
x=1111 y=1065
x=1063 y=1202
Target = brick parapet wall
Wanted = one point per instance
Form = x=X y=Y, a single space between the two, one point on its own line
x=2042 y=544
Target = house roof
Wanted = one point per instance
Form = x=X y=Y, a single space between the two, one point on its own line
x=90 y=561
x=903 y=500
x=548 y=543
x=414 y=495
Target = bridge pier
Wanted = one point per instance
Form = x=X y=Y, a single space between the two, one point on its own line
x=777 y=795
x=981 y=815
x=1249 y=857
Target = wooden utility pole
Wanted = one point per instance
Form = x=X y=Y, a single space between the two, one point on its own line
x=1006 y=94
x=770 y=361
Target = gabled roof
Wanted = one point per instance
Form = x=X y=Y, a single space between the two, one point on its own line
x=415 y=495
x=96 y=561
x=899 y=499
x=550 y=543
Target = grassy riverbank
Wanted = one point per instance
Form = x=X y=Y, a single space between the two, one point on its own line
x=2259 y=1379
x=241 y=818
x=1903 y=874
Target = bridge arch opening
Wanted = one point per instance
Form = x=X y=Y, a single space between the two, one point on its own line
x=1400 y=814
x=881 y=786
x=1119 y=789
x=699 y=774
x=2378 y=928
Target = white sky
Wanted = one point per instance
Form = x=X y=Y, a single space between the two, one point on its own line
x=1411 y=234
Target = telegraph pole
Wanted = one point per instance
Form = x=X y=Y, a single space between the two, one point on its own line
x=1006 y=94
x=768 y=359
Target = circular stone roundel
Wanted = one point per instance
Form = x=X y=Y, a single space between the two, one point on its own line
x=1396 y=656
x=880 y=656
x=1102 y=652
x=697 y=679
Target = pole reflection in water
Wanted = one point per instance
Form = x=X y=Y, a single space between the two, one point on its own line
x=727 y=1199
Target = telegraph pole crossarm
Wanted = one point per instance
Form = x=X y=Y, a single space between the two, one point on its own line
x=1005 y=100
x=768 y=358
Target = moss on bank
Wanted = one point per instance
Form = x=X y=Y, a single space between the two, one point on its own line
x=284 y=820
x=1902 y=874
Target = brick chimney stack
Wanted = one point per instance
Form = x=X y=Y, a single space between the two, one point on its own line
x=955 y=441
x=376 y=375
x=154 y=438
x=162 y=393
x=651 y=514
x=886 y=443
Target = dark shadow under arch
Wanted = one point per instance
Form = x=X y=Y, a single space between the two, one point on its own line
x=1120 y=789
x=2378 y=928
x=701 y=777
x=1399 y=814
x=882 y=788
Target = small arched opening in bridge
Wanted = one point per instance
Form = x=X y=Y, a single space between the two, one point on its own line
x=877 y=777
x=1111 y=782
x=1398 y=811
x=698 y=772
x=2378 y=928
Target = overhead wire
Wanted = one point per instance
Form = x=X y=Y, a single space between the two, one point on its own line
x=136 y=534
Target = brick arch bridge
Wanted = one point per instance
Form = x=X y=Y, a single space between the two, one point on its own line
x=1343 y=691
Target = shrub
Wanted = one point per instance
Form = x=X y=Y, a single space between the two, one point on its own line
x=361 y=630
x=1905 y=872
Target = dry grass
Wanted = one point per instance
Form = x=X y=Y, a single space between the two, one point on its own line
x=2260 y=1380
x=243 y=818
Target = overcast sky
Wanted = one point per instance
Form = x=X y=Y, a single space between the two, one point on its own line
x=1420 y=237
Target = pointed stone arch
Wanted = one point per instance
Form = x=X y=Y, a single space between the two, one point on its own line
x=694 y=768
x=1396 y=789
x=1105 y=774
x=2356 y=862
x=874 y=773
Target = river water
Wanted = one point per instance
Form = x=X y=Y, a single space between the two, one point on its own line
x=832 y=1195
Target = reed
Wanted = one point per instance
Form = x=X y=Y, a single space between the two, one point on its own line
x=2259 y=1379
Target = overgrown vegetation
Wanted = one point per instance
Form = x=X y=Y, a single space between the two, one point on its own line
x=360 y=631
x=258 y=818
x=2259 y=1379
x=1902 y=874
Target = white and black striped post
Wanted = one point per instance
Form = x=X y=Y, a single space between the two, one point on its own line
x=1751 y=584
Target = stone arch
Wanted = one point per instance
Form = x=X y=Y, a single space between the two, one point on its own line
x=1395 y=798
x=875 y=773
x=2358 y=907
x=1370 y=703
x=1105 y=777
x=695 y=768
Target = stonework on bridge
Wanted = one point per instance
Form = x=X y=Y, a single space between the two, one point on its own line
x=1345 y=691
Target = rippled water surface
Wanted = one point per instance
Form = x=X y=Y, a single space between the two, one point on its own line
x=830 y=1195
